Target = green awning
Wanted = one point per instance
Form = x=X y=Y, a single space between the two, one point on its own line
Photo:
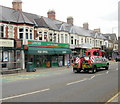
x=46 y=51
x=62 y=51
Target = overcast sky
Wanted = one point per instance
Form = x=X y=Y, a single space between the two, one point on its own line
x=98 y=13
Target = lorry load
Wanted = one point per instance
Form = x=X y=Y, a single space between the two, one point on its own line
x=93 y=60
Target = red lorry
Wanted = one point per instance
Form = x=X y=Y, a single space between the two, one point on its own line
x=91 y=62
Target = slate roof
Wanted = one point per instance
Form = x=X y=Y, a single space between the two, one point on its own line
x=111 y=37
x=15 y=16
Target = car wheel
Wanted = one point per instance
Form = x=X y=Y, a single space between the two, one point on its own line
x=93 y=70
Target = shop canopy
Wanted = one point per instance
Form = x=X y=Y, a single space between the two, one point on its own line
x=47 y=51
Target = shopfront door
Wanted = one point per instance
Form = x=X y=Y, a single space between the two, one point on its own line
x=40 y=61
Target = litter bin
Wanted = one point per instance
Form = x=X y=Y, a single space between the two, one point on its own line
x=30 y=67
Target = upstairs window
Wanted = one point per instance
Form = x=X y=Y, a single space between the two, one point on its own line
x=71 y=39
x=1 y=31
x=21 y=32
x=31 y=33
x=62 y=38
x=10 y=31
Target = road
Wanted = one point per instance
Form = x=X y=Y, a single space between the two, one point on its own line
x=61 y=86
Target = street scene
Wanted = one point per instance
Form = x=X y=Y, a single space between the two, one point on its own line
x=44 y=58
x=61 y=85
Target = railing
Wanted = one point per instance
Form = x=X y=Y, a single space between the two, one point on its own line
x=10 y=65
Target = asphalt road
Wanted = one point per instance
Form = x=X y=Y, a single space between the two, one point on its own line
x=62 y=86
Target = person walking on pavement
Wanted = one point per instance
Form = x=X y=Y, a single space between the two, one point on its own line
x=68 y=63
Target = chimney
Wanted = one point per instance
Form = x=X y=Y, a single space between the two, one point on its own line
x=70 y=20
x=97 y=30
x=86 y=26
x=51 y=14
x=17 y=4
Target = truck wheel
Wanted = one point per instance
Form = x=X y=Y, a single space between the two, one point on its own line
x=93 y=70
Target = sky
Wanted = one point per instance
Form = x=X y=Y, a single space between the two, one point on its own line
x=101 y=14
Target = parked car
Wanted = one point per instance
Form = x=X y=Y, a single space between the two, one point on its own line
x=117 y=58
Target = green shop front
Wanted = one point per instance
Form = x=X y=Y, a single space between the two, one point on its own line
x=47 y=54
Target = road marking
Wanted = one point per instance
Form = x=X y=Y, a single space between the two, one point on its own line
x=110 y=100
x=107 y=72
x=30 y=93
x=98 y=74
x=92 y=77
x=76 y=82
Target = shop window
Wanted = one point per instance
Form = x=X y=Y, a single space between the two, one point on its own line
x=2 y=31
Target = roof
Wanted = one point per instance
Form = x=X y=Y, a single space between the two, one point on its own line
x=112 y=37
x=16 y=16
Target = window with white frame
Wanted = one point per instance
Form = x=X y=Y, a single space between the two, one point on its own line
x=58 y=38
x=2 y=31
x=27 y=33
x=40 y=35
x=90 y=41
x=77 y=42
x=45 y=35
x=10 y=31
x=50 y=37
x=21 y=32
x=71 y=39
x=66 y=38
x=31 y=33
x=54 y=37
x=62 y=38
x=100 y=42
x=81 y=40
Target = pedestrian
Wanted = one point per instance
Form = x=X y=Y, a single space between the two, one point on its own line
x=68 y=63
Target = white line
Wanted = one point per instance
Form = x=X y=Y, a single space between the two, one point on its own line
x=76 y=82
x=107 y=72
x=98 y=74
x=24 y=94
x=92 y=77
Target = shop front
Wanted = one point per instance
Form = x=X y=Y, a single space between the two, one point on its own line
x=46 y=54
x=10 y=54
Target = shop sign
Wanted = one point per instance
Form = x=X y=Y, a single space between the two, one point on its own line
x=64 y=52
x=49 y=44
x=18 y=43
x=39 y=51
x=72 y=46
x=6 y=43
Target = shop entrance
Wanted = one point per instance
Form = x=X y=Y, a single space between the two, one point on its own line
x=40 y=61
